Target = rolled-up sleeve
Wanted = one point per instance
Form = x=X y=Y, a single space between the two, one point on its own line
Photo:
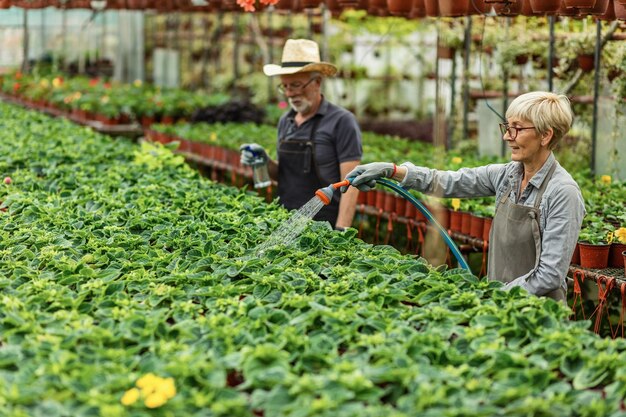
x=564 y=214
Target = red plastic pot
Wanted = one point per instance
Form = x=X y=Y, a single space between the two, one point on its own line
x=466 y=222
x=476 y=226
x=455 y=221
x=615 y=255
x=576 y=255
x=594 y=256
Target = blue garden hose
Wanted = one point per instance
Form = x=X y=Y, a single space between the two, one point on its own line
x=325 y=194
x=418 y=205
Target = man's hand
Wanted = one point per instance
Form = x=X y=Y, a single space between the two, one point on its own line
x=253 y=154
x=364 y=176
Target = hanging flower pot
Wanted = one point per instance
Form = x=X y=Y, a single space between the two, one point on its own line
x=418 y=11
x=399 y=7
x=480 y=6
x=5 y=4
x=609 y=14
x=453 y=8
x=567 y=11
x=508 y=8
x=445 y=52
x=579 y=3
x=377 y=7
x=545 y=6
x=594 y=256
x=432 y=8
x=620 y=10
x=598 y=9
x=585 y=62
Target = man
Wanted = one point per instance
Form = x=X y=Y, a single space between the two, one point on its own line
x=318 y=142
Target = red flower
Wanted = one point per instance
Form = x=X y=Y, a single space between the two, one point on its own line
x=93 y=82
x=16 y=86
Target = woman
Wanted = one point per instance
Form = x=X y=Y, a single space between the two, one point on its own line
x=539 y=207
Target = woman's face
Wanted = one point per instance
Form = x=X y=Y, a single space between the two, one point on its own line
x=524 y=141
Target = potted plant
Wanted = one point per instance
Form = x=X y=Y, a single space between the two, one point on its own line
x=451 y=37
x=594 y=243
x=582 y=46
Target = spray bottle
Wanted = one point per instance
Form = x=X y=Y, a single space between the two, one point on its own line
x=260 y=172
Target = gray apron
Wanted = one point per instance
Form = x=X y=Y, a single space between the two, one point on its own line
x=299 y=176
x=515 y=240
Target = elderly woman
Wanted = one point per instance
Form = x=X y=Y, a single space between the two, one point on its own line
x=539 y=207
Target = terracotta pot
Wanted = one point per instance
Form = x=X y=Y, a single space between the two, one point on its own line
x=545 y=6
x=401 y=205
x=594 y=256
x=453 y=8
x=418 y=11
x=371 y=198
x=585 y=62
x=624 y=255
x=615 y=255
x=620 y=10
x=5 y=4
x=410 y=211
x=445 y=52
x=390 y=203
x=609 y=15
x=576 y=255
x=480 y=6
x=567 y=11
x=455 y=221
x=362 y=198
x=399 y=7
x=466 y=222
x=527 y=10
x=508 y=8
x=380 y=199
x=579 y=3
x=432 y=8
x=476 y=226
x=311 y=4
x=598 y=9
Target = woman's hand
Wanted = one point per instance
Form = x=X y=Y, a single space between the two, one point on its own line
x=364 y=176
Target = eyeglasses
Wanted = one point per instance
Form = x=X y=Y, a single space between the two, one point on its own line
x=512 y=130
x=297 y=86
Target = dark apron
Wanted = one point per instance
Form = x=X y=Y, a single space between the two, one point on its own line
x=298 y=176
x=515 y=239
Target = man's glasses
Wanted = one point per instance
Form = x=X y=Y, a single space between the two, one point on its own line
x=512 y=130
x=297 y=86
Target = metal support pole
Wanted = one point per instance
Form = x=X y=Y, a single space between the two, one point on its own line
x=466 y=72
x=236 y=47
x=26 y=41
x=505 y=87
x=270 y=51
x=452 y=102
x=596 y=93
x=551 y=54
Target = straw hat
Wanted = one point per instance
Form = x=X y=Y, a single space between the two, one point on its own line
x=300 y=55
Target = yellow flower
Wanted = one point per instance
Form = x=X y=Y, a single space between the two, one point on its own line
x=213 y=137
x=137 y=83
x=621 y=235
x=44 y=82
x=149 y=380
x=155 y=400
x=167 y=387
x=606 y=179
x=130 y=397
x=56 y=82
x=456 y=204
x=104 y=99
x=457 y=160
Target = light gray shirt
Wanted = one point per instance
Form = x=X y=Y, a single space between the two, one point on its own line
x=562 y=209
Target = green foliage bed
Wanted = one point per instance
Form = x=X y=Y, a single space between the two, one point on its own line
x=117 y=261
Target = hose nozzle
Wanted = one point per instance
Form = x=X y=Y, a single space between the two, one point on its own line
x=326 y=194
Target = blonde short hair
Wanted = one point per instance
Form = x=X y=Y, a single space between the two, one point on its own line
x=545 y=111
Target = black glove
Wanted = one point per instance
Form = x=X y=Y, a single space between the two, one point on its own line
x=253 y=154
x=364 y=176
